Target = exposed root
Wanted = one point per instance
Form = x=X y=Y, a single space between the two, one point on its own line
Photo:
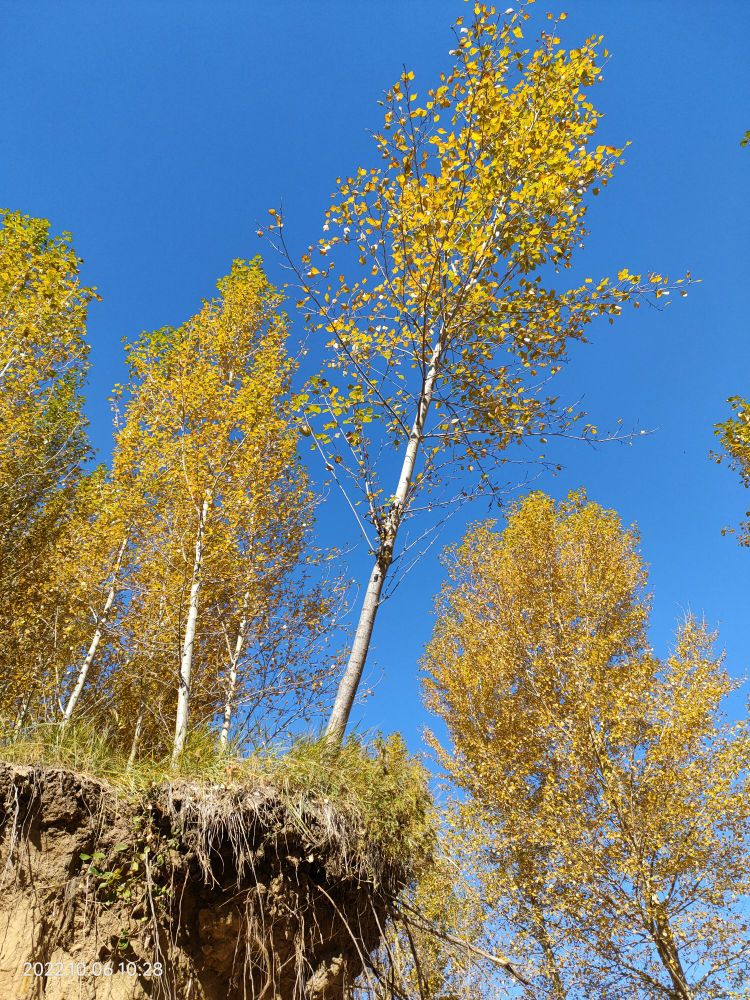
x=193 y=892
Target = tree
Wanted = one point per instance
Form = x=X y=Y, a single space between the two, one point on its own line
x=734 y=434
x=606 y=799
x=43 y=447
x=445 y=337
x=220 y=511
x=432 y=947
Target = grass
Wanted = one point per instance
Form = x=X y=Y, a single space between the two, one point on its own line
x=378 y=791
x=88 y=749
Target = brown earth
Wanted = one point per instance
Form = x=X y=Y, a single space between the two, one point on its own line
x=189 y=893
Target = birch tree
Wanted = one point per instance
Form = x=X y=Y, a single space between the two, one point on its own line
x=439 y=287
x=604 y=794
x=220 y=504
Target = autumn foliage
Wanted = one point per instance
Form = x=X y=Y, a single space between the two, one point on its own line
x=174 y=603
x=179 y=589
x=43 y=452
x=439 y=287
x=607 y=809
x=734 y=435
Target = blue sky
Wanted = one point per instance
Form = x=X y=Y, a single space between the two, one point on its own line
x=160 y=133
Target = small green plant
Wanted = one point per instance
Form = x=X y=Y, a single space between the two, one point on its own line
x=133 y=872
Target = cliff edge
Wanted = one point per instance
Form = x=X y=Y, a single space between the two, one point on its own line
x=188 y=892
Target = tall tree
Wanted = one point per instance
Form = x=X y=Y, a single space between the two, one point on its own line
x=445 y=318
x=606 y=798
x=43 y=443
x=219 y=503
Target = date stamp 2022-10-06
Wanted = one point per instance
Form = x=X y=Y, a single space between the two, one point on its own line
x=84 y=970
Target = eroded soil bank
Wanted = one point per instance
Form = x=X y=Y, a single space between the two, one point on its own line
x=187 y=893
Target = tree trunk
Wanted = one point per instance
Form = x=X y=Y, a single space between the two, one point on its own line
x=542 y=934
x=350 y=681
x=21 y=718
x=75 y=694
x=136 y=738
x=232 y=678
x=186 y=662
x=666 y=946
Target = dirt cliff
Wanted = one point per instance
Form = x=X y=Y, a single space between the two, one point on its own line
x=191 y=892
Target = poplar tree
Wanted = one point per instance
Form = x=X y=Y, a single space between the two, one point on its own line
x=604 y=795
x=43 y=450
x=438 y=285
x=219 y=503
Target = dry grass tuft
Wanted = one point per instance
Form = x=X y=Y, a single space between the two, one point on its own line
x=366 y=809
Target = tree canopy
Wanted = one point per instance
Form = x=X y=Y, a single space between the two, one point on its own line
x=175 y=601
x=44 y=446
x=439 y=286
x=179 y=589
x=606 y=797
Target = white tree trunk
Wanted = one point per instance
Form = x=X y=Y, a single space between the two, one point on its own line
x=232 y=678
x=186 y=662
x=350 y=681
x=136 y=738
x=83 y=671
x=21 y=718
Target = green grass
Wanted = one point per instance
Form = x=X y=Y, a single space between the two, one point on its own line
x=378 y=788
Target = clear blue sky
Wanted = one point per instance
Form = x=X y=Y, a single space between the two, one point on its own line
x=159 y=133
